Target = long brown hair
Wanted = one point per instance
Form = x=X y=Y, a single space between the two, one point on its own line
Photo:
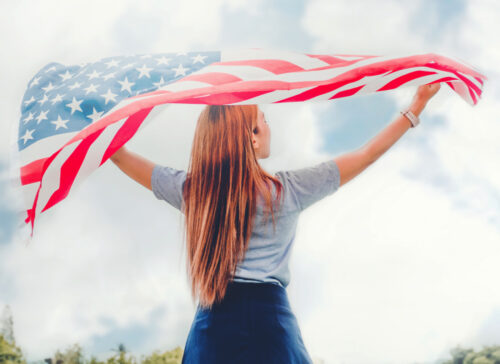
x=220 y=191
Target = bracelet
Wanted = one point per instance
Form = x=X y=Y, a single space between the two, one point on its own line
x=414 y=120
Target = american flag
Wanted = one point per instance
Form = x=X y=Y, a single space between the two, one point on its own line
x=73 y=118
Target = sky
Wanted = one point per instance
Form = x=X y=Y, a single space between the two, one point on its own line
x=398 y=266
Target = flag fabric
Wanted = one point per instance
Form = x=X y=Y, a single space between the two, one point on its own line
x=73 y=118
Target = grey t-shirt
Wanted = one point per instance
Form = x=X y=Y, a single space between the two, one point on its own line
x=268 y=254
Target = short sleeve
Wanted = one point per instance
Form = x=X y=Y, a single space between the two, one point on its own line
x=167 y=183
x=311 y=184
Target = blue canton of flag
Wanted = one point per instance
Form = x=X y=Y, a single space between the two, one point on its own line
x=62 y=99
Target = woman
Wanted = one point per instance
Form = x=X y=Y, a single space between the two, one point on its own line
x=237 y=263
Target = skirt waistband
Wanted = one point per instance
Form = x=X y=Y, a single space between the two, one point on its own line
x=263 y=292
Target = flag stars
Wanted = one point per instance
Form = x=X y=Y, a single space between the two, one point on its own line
x=128 y=65
x=112 y=63
x=75 y=85
x=27 y=102
x=144 y=71
x=41 y=116
x=91 y=88
x=28 y=135
x=95 y=115
x=45 y=98
x=180 y=70
x=109 y=96
x=57 y=98
x=65 y=76
x=108 y=76
x=163 y=60
x=35 y=81
x=159 y=83
x=75 y=105
x=126 y=85
x=29 y=117
x=60 y=123
x=94 y=74
x=199 y=58
x=53 y=68
x=48 y=87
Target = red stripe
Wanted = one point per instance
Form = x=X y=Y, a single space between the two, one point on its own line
x=70 y=169
x=346 y=93
x=320 y=90
x=127 y=131
x=404 y=79
x=32 y=172
x=468 y=82
x=275 y=66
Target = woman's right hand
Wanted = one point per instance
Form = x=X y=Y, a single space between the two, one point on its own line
x=425 y=92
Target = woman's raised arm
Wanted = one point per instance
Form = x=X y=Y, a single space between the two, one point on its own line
x=135 y=166
x=353 y=163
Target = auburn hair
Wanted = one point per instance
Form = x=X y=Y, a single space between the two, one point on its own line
x=222 y=183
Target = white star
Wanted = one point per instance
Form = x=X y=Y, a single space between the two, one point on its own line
x=94 y=74
x=60 y=123
x=27 y=135
x=57 y=98
x=144 y=71
x=91 y=88
x=163 y=60
x=29 y=117
x=45 y=98
x=109 y=96
x=109 y=75
x=112 y=63
x=180 y=70
x=41 y=116
x=126 y=85
x=27 y=102
x=35 y=81
x=75 y=105
x=95 y=115
x=65 y=76
x=75 y=85
x=159 y=83
x=50 y=69
x=199 y=58
x=48 y=87
x=128 y=65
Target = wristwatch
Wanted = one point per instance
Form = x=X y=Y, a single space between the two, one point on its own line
x=414 y=120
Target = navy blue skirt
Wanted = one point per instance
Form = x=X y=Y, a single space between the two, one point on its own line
x=254 y=323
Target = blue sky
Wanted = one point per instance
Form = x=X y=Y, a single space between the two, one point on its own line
x=380 y=270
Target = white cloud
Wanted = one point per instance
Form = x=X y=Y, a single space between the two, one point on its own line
x=344 y=26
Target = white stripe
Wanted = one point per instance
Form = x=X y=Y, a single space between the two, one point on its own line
x=273 y=96
x=52 y=175
x=96 y=151
x=299 y=59
x=245 y=72
x=44 y=147
x=375 y=83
